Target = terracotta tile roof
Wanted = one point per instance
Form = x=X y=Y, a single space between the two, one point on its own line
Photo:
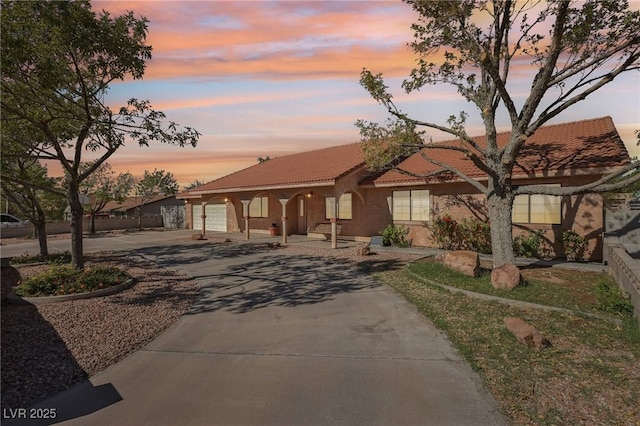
x=319 y=167
x=560 y=148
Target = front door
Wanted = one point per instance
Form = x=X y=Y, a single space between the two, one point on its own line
x=302 y=215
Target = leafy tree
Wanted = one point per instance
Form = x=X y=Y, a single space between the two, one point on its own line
x=263 y=159
x=58 y=60
x=151 y=185
x=102 y=186
x=575 y=48
x=196 y=183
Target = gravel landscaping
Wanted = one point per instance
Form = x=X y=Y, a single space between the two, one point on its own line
x=49 y=348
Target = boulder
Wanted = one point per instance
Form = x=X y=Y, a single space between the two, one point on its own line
x=363 y=251
x=464 y=261
x=197 y=237
x=505 y=277
x=526 y=333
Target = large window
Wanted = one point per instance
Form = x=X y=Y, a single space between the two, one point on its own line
x=537 y=209
x=344 y=206
x=411 y=205
x=259 y=207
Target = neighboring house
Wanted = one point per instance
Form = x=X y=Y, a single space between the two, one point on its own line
x=301 y=193
x=129 y=207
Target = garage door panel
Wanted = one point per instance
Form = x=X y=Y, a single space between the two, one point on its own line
x=197 y=219
x=216 y=217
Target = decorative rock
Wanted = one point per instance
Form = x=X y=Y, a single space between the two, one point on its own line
x=505 y=277
x=464 y=261
x=198 y=237
x=363 y=251
x=526 y=334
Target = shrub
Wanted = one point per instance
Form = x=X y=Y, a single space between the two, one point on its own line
x=52 y=259
x=612 y=299
x=64 y=279
x=468 y=234
x=395 y=236
x=475 y=235
x=445 y=232
x=575 y=246
x=529 y=244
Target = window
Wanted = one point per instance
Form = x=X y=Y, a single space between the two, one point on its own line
x=411 y=205
x=259 y=207
x=344 y=207
x=537 y=209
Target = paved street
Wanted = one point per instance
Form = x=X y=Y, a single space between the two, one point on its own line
x=279 y=339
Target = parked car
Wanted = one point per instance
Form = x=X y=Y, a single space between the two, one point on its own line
x=10 y=221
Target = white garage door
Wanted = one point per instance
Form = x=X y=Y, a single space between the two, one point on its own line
x=216 y=217
x=197 y=219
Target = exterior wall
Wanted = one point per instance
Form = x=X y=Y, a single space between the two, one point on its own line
x=102 y=224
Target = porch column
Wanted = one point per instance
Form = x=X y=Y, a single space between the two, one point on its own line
x=334 y=225
x=204 y=218
x=245 y=214
x=284 y=202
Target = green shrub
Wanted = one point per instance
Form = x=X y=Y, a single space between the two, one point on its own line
x=52 y=259
x=529 y=244
x=64 y=279
x=475 y=235
x=612 y=299
x=445 y=232
x=395 y=236
x=575 y=246
x=468 y=234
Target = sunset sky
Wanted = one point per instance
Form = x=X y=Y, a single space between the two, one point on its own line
x=260 y=78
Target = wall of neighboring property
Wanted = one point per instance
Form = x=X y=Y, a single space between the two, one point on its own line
x=102 y=224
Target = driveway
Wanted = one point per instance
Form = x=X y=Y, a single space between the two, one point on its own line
x=282 y=339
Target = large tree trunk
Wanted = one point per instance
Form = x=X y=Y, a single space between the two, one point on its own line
x=499 y=205
x=41 y=231
x=77 y=259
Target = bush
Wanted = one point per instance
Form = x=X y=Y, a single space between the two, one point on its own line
x=468 y=234
x=52 y=259
x=395 y=236
x=529 y=244
x=612 y=299
x=575 y=246
x=64 y=279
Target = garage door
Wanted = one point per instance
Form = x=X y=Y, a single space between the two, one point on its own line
x=216 y=217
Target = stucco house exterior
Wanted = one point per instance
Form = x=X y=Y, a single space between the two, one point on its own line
x=305 y=193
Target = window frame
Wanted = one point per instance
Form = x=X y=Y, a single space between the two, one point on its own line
x=347 y=207
x=264 y=207
x=555 y=221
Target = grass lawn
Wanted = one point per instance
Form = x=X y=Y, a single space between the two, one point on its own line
x=591 y=373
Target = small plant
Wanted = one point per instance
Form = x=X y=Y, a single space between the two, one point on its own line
x=52 y=259
x=575 y=246
x=64 y=279
x=529 y=244
x=395 y=236
x=612 y=299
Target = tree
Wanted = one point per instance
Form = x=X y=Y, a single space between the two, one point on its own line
x=151 y=185
x=575 y=48
x=196 y=183
x=58 y=60
x=103 y=186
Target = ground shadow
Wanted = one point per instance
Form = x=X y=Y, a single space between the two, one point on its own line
x=33 y=373
x=280 y=280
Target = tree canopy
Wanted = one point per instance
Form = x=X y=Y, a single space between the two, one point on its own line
x=58 y=60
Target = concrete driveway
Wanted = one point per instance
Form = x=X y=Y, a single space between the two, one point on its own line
x=279 y=339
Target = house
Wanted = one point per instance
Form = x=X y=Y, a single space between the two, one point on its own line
x=306 y=193
x=129 y=207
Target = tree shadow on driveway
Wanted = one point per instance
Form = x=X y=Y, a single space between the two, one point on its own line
x=281 y=280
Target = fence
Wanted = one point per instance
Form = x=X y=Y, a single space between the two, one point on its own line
x=102 y=224
x=626 y=272
x=622 y=226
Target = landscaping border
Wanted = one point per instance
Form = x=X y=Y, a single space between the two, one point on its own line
x=43 y=300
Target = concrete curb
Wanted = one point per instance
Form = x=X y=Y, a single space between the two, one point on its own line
x=17 y=300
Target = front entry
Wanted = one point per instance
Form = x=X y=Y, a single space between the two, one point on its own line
x=302 y=215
